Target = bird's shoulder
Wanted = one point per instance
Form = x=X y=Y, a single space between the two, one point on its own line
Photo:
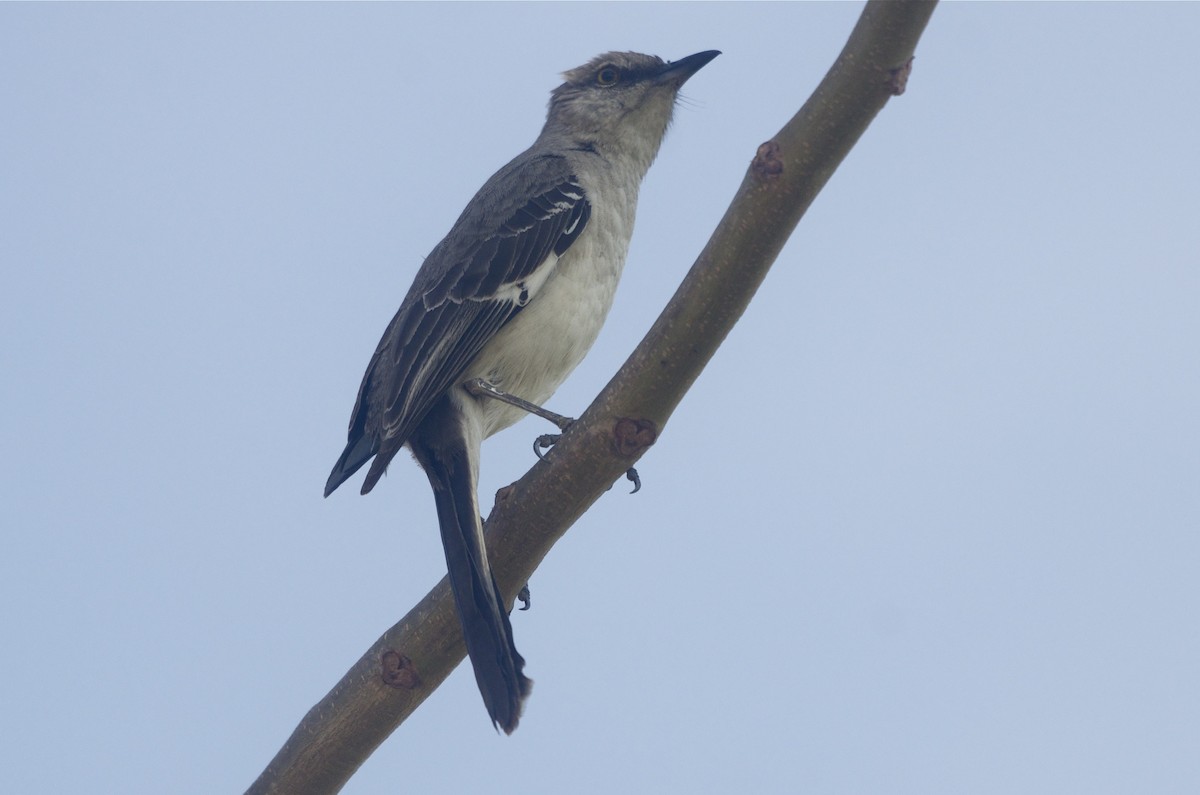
x=533 y=205
x=527 y=178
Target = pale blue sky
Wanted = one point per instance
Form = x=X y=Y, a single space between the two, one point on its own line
x=929 y=523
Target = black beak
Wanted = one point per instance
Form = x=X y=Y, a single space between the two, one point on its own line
x=681 y=70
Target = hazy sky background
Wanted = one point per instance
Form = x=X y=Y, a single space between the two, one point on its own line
x=928 y=523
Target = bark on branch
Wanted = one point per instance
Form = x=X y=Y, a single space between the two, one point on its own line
x=412 y=658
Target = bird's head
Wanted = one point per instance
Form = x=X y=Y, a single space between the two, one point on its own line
x=621 y=102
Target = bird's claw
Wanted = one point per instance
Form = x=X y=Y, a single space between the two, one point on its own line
x=524 y=598
x=544 y=442
x=547 y=440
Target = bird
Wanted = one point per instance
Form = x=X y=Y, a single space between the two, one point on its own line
x=513 y=296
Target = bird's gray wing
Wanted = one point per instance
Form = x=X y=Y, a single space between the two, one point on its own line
x=473 y=283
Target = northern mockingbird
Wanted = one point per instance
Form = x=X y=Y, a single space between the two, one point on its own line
x=514 y=295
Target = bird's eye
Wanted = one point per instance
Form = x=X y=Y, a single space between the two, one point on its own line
x=608 y=75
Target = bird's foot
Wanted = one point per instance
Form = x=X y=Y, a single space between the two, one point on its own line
x=480 y=388
x=547 y=440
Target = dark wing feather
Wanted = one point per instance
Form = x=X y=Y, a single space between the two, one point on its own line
x=453 y=308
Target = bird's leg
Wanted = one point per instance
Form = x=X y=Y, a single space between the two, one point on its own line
x=480 y=388
x=477 y=387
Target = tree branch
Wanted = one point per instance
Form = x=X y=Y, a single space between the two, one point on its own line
x=412 y=658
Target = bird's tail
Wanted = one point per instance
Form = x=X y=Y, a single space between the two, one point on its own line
x=486 y=628
x=358 y=451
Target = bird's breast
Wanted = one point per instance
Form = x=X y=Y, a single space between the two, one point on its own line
x=534 y=353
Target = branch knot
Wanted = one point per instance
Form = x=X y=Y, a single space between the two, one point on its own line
x=898 y=77
x=767 y=164
x=631 y=436
x=398 y=671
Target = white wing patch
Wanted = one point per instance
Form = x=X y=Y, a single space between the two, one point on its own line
x=522 y=292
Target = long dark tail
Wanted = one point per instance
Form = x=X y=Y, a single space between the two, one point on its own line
x=443 y=452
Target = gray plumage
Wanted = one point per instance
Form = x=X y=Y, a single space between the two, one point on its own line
x=515 y=294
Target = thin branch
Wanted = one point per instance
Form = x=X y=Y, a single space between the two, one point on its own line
x=412 y=658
